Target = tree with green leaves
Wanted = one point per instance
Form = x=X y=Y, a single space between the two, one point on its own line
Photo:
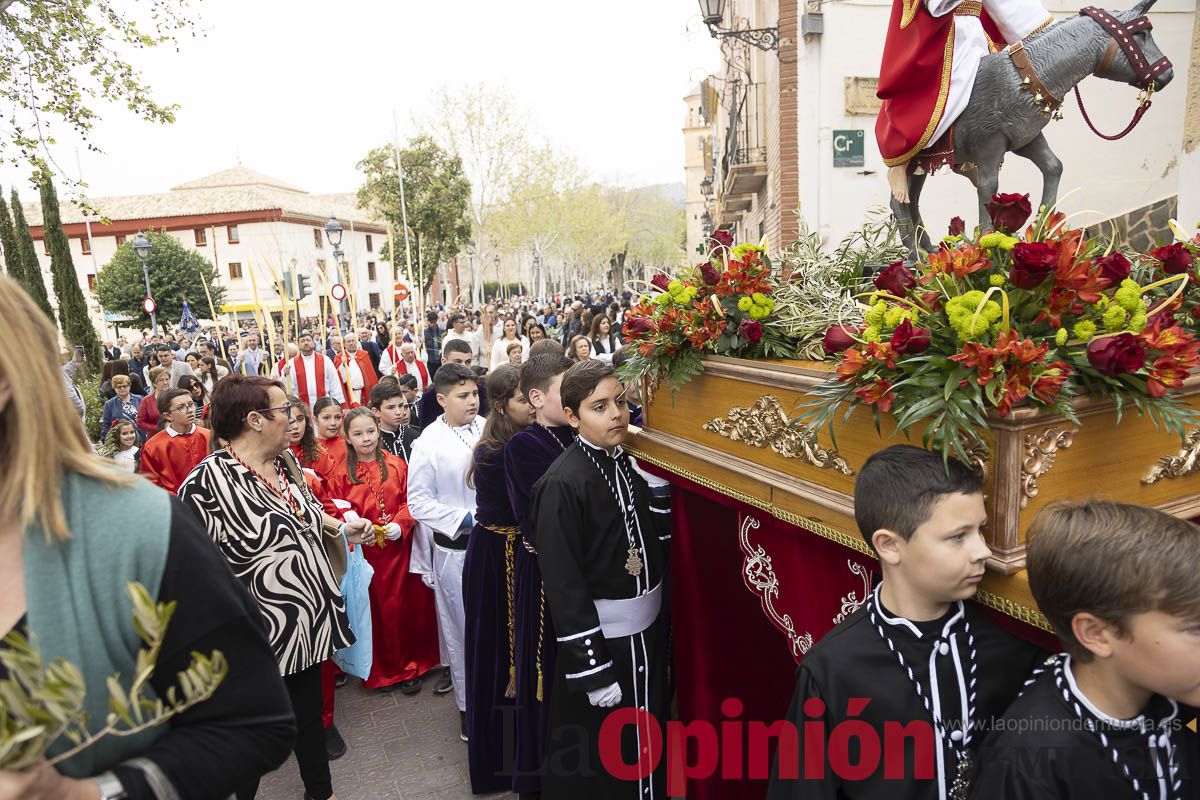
x=75 y=323
x=31 y=268
x=61 y=60
x=8 y=241
x=177 y=275
x=437 y=195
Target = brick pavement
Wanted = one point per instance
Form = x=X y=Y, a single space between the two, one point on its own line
x=400 y=748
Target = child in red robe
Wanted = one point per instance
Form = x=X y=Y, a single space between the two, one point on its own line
x=170 y=454
x=403 y=622
x=327 y=414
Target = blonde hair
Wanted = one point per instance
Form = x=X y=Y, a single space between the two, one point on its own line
x=155 y=374
x=41 y=437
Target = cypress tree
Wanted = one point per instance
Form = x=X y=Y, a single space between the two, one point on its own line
x=77 y=326
x=8 y=242
x=31 y=270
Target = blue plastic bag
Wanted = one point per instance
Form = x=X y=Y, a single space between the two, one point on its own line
x=356 y=584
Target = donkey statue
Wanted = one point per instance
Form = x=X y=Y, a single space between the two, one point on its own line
x=1019 y=89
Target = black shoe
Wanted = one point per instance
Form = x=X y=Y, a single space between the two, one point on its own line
x=335 y=745
x=410 y=687
x=389 y=688
x=444 y=684
x=340 y=680
x=462 y=725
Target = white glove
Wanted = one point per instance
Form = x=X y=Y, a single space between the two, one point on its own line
x=392 y=531
x=427 y=579
x=607 y=697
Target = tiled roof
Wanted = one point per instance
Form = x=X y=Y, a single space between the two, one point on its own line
x=233 y=190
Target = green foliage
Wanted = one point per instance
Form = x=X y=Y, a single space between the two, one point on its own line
x=93 y=405
x=31 y=277
x=438 y=197
x=60 y=60
x=42 y=703
x=76 y=325
x=177 y=275
x=8 y=241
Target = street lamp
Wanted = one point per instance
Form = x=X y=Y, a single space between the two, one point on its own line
x=333 y=232
x=496 y=263
x=713 y=12
x=141 y=246
x=537 y=273
x=706 y=186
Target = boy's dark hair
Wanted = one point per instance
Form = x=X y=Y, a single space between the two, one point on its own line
x=450 y=375
x=581 y=380
x=170 y=396
x=620 y=357
x=384 y=391
x=431 y=317
x=539 y=371
x=546 y=347
x=456 y=346
x=898 y=486
x=407 y=381
x=1113 y=560
x=455 y=317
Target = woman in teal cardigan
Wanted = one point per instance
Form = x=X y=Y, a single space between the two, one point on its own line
x=73 y=534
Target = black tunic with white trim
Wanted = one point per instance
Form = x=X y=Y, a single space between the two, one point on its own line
x=583 y=543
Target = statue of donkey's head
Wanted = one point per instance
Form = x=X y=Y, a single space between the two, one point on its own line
x=1132 y=56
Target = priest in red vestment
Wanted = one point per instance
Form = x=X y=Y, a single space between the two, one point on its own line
x=930 y=59
x=356 y=373
x=170 y=454
x=403 y=620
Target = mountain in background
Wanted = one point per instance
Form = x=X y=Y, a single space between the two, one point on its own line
x=674 y=192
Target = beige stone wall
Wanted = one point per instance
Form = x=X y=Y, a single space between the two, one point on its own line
x=1191 y=120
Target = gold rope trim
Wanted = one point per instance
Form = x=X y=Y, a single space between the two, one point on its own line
x=541 y=637
x=1029 y=616
x=935 y=118
x=510 y=533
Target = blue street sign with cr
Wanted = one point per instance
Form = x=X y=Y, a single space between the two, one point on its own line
x=848 y=148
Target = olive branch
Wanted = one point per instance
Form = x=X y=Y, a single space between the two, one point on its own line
x=41 y=703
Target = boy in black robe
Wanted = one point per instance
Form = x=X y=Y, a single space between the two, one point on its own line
x=1118 y=584
x=916 y=656
x=393 y=413
x=527 y=456
x=603 y=567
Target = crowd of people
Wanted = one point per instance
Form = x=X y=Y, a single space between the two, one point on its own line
x=519 y=561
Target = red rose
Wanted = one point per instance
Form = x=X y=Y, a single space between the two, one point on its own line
x=751 y=331
x=840 y=337
x=660 y=281
x=1033 y=262
x=1116 y=355
x=957 y=226
x=1009 y=211
x=709 y=274
x=722 y=238
x=638 y=326
x=1174 y=258
x=895 y=279
x=907 y=340
x=1114 y=267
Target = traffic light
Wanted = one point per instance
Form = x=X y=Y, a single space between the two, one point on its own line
x=287 y=284
x=303 y=286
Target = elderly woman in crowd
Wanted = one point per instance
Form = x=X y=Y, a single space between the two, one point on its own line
x=253 y=500
x=148 y=417
x=66 y=565
x=123 y=405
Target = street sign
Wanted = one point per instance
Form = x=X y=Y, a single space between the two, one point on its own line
x=848 y=148
x=401 y=292
x=149 y=305
x=337 y=292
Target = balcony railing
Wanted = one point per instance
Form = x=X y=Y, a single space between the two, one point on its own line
x=744 y=163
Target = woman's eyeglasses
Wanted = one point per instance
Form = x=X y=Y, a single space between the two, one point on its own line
x=288 y=408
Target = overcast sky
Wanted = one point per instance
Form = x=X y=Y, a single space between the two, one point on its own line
x=301 y=90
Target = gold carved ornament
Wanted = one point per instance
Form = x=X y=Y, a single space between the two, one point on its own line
x=1179 y=465
x=766 y=424
x=1040 y=451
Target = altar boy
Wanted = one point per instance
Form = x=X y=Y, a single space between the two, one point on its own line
x=443 y=503
x=1118 y=584
x=917 y=653
x=603 y=566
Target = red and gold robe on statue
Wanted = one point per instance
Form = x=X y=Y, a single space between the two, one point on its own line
x=403 y=620
x=930 y=59
x=169 y=456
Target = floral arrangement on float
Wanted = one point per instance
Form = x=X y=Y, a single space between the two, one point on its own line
x=992 y=321
x=723 y=306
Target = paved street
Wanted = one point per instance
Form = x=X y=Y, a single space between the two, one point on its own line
x=400 y=748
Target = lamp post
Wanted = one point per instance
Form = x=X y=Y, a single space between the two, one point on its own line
x=713 y=12
x=333 y=232
x=141 y=246
x=537 y=270
x=496 y=263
